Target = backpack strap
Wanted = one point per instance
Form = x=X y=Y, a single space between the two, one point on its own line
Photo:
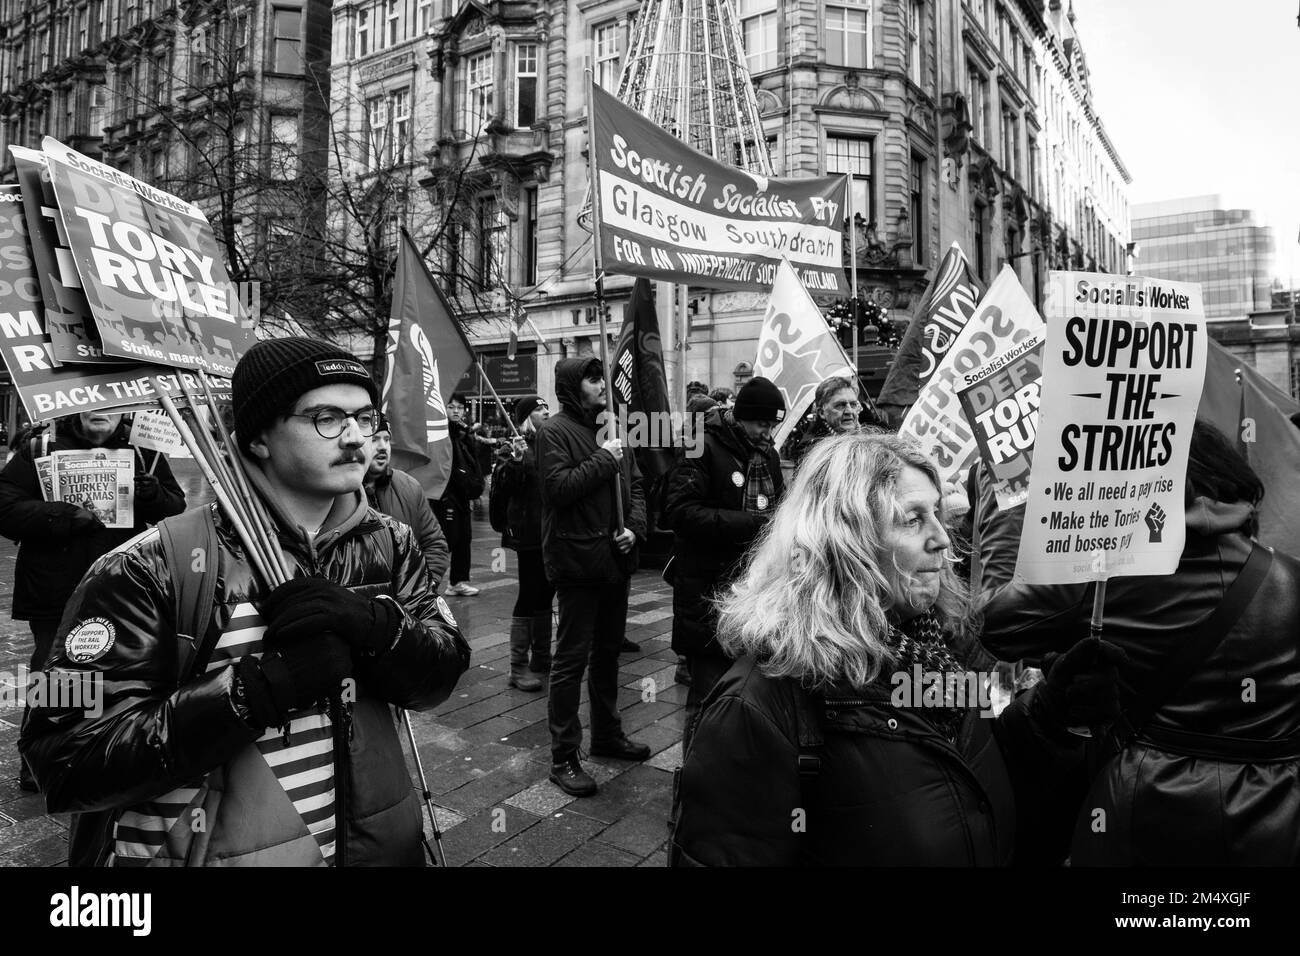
x=1192 y=653
x=189 y=541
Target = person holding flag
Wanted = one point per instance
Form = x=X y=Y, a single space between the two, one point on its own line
x=589 y=558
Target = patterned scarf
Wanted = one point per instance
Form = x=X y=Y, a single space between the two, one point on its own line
x=760 y=489
x=921 y=642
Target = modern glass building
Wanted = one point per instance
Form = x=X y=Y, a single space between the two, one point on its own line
x=1197 y=240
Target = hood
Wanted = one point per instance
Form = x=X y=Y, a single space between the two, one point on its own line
x=1208 y=517
x=569 y=374
x=346 y=513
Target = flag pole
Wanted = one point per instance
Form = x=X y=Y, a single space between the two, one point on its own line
x=853 y=280
x=483 y=377
x=598 y=272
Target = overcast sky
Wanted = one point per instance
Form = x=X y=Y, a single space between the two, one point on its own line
x=1203 y=97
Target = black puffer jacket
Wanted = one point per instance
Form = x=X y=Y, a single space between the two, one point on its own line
x=518 y=481
x=1188 y=791
x=705 y=508
x=578 y=511
x=889 y=791
x=398 y=494
x=168 y=739
x=51 y=560
x=466 y=481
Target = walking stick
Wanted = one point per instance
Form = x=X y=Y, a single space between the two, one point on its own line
x=441 y=858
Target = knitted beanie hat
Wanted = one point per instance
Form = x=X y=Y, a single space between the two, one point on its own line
x=272 y=374
x=526 y=406
x=759 y=401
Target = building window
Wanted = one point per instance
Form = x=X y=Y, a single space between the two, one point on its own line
x=395 y=23
x=977 y=93
x=530 y=237
x=1011 y=142
x=363 y=32
x=758 y=34
x=853 y=155
x=604 y=42
x=284 y=146
x=79 y=29
x=478 y=93
x=426 y=15
x=400 y=110
x=917 y=211
x=914 y=41
x=774 y=154
x=848 y=34
x=239 y=42
x=492 y=241
x=98 y=110
x=981 y=243
x=158 y=164
x=1031 y=166
x=43 y=45
x=525 y=85
x=286 y=54
x=388 y=129
x=376 y=131
x=158 y=73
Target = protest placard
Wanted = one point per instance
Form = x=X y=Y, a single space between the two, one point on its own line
x=1123 y=368
x=150 y=267
x=1000 y=401
x=154 y=430
x=666 y=211
x=1005 y=317
x=69 y=323
x=101 y=480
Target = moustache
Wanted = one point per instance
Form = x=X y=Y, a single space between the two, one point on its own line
x=348 y=457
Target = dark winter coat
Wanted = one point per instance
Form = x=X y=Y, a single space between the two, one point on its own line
x=579 y=520
x=705 y=509
x=169 y=739
x=466 y=481
x=519 y=482
x=889 y=789
x=51 y=559
x=1187 y=790
x=398 y=494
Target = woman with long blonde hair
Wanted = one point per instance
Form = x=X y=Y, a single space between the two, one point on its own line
x=850 y=730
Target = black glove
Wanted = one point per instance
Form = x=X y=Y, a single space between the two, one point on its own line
x=304 y=607
x=67 y=519
x=296 y=674
x=1080 y=688
x=146 y=487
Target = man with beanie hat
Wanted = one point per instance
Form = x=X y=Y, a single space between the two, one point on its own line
x=590 y=559
x=716 y=504
x=454 y=509
x=262 y=714
x=392 y=491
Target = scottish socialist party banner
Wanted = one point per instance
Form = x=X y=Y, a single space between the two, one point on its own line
x=945 y=308
x=46 y=390
x=666 y=211
x=74 y=337
x=1000 y=402
x=1006 y=316
x=796 y=349
x=427 y=355
x=1123 y=368
x=150 y=267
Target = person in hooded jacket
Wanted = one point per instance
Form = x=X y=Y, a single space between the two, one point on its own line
x=394 y=492
x=517 y=480
x=1210 y=778
x=58 y=540
x=717 y=504
x=589 y=558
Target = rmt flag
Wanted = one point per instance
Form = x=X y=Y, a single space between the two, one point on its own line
x=945 y=309
x=427 y=355
x=796 y=350
x=640 y=386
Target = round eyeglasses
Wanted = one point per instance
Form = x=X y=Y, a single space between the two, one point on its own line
x=330 y=422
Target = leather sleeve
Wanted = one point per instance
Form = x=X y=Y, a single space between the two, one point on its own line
x=738 y=792
x=693 y=519
x=150 y=735
x=565 y=482
x=421 y=669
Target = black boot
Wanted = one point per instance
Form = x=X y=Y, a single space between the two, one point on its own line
x=521 y=632
x=541 y=663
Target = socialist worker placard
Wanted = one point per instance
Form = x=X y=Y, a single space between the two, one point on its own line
x=1123 y=369
x=150 y=267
